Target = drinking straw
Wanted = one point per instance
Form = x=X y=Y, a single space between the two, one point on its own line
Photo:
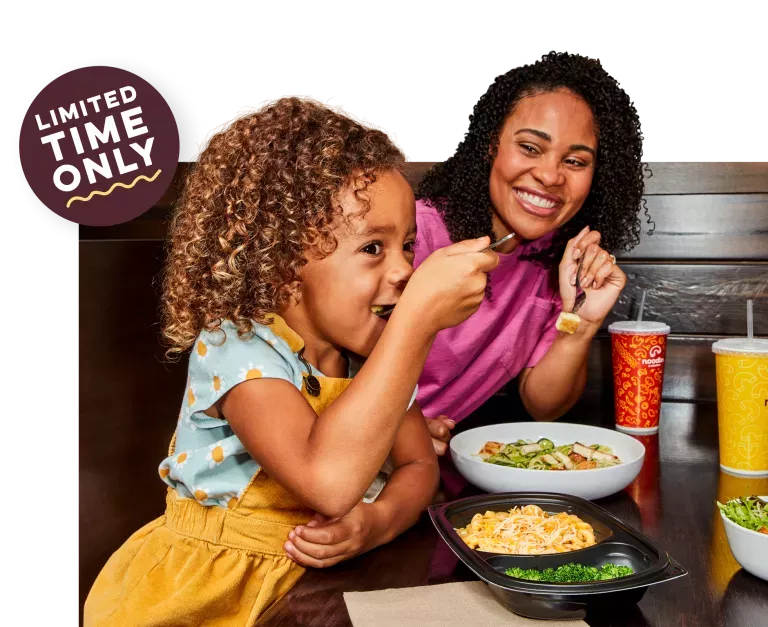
x=750 y=323
x=642 y=306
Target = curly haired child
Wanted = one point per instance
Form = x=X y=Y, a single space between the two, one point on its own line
x=290 y=282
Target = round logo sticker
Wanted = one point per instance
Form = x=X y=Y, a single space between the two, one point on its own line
x=99 y=146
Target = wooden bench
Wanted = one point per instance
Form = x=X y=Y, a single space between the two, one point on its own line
x=707 y=255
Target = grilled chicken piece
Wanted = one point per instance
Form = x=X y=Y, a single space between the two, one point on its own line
x=564 y=459
x=603 y=457
x=490 y=448
x=582 y=450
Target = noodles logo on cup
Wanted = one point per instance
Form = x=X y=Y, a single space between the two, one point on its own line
x=99 y=146
x=655 y=357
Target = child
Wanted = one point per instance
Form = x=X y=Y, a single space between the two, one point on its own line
x=292 y=243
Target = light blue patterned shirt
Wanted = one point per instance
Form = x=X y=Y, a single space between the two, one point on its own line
x=209 y=463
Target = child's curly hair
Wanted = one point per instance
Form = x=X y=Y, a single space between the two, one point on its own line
x=263 y=194
x=458 y=187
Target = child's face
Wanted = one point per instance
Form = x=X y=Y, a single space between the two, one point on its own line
x=370 y=267
x=544 y=165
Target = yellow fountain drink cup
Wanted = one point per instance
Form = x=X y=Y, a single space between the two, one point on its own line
x=742 y=405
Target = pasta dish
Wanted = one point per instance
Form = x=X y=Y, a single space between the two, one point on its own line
x=544 y=455
x=527 y=530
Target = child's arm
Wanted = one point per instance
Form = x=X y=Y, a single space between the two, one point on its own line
x=409 y=490
x=328 y=462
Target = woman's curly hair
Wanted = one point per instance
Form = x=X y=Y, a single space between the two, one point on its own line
x=263 y=195
x=458 y=187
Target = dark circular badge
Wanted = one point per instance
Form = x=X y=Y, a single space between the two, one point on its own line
x=99 y=146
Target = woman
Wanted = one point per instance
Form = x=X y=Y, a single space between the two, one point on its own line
x=553 y=155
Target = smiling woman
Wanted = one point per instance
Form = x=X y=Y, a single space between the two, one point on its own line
x=553 y=156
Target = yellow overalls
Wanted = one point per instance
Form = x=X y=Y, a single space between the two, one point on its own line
x=200 y=565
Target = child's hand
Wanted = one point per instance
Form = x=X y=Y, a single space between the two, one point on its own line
x=323 y=542
x=440 y=430
x=449 y=285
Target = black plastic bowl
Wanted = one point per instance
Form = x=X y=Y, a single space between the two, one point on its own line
x=617 y=543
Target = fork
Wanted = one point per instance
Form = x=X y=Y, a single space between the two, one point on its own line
x=581 y=295
x=498 y=242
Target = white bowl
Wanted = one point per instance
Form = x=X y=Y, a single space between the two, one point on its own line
x=588 y=484
x=749 y=548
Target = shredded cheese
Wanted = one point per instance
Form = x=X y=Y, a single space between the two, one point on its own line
x=527 y=530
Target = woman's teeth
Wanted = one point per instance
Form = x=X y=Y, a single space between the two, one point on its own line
x=536 y=200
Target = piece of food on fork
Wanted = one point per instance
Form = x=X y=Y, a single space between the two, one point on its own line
x=567 y=322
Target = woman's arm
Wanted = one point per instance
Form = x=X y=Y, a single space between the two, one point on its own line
x=551 y=388
x=409 y=490
x=554 y=385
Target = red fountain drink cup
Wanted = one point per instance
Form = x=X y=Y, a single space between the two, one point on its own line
x=638 y=350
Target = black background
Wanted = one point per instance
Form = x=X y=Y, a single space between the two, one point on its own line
x=693 y=111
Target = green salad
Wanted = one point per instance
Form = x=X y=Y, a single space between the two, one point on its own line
x=571 y=573
x=544 y=455
x=750 y=512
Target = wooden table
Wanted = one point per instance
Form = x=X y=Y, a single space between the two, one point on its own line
x=672 y=501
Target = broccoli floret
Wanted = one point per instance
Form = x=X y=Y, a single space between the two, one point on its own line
x=521 y=573
x=518 y=573
x=612 y=571
x=575 y=572
x=548 y=574
x=571 y=573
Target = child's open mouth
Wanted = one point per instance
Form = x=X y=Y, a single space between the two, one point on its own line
x=382 y=311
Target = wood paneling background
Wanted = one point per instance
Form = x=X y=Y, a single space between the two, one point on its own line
x=128 y=397
x=707 y=255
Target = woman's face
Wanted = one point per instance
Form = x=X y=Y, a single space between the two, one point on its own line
x=544 y=165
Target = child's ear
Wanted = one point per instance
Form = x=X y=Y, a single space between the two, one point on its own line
x=291 y=294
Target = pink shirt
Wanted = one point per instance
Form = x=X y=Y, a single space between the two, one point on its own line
x=470 y=362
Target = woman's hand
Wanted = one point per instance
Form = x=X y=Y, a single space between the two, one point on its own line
x=440 y=430
x=601 y=278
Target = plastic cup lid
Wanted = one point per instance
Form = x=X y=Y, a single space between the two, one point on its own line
x=644 y=327
x=741 y=346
